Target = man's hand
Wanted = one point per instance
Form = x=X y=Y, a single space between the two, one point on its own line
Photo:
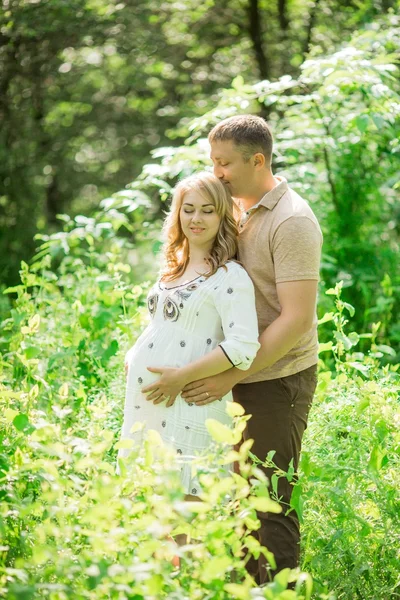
x=208 y=390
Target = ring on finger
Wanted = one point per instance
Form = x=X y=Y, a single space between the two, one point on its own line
x=207 y=394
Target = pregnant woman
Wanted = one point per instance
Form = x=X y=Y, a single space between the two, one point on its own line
x=203 y=322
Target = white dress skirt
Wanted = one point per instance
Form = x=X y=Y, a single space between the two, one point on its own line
x=187 y=322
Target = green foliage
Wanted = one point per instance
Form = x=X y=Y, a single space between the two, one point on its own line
x=109 y=534
x=348 y=491
x=89 y=88
x=71 y=527
x=62 y=390
x=347 y=496
x=333 y=126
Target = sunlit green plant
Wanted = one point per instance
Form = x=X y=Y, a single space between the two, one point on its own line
x=347 y=496
x=70 y=526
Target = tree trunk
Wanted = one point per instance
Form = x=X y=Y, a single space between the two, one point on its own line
x=256 y=38
x=282 y=15
x=310 y=27
x=53 y=202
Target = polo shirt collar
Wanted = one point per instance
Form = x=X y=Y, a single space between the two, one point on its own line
x=271 y=198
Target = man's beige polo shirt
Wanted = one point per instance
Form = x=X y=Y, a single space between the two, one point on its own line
x=280 y=240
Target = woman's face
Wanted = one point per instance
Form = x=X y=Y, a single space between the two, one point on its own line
x=199 y=220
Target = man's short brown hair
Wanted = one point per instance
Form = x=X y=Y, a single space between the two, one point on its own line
x=252 y=134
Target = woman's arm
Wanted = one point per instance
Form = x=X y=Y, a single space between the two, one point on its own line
x=212 y=363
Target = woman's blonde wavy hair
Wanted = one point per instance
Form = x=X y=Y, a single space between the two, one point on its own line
x=176 y=246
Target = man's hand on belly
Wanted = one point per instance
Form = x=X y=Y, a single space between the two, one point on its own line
x=213 y=388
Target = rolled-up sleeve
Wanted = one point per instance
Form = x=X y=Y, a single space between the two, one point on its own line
x=235 y=303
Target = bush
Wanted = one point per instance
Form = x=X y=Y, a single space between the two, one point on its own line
x=72 y=528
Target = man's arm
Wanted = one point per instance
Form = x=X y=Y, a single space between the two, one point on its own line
x=298 y=301
x=298 y=304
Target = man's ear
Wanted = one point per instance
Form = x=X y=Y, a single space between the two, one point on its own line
x=259 y=160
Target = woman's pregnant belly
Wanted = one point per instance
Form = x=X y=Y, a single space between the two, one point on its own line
x=164 y=347
x=152 y=350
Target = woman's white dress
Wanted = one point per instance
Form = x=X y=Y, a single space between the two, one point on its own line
x=187 y=322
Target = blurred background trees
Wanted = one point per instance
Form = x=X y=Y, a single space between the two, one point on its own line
x=90 y=89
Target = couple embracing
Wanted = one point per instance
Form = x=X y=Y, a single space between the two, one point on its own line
x=233 y=315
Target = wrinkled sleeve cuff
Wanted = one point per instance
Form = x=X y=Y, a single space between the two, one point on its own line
x=240 y=358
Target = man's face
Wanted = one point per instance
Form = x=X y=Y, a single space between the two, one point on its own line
x=231 y=168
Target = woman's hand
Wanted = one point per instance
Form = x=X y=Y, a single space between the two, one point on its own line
x=170 y=384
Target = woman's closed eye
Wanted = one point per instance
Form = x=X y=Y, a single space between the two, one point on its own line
x=189 y=212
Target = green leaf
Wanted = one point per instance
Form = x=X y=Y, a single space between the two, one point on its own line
x=297 y=501
x=222 y=433
x=381 y=429
x=354 y=338
x=307 y=579
x=282 y=578
x=363 y=404
x=264 y=504
x=340 y=337
x=379 y=121
x=327 y=317
x=362 y=122
x=237 y=591
x=350 y=308
x=102 y=319
x=17 y=317
x=11 y=290
x=111 y=351
x=10 y=414
x=376 y=458
x=331 y=292
x=364 y=369
x=124 y=443
x=21 y=422
x=274 y=483
x=215 y=568
x=386 y=350
x=21 y=591
x=290 y=471
x=238 y=83
x=234 y=409
x=325 y=347
x=32 y=351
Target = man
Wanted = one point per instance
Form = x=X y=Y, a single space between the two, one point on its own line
x=279 y=245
